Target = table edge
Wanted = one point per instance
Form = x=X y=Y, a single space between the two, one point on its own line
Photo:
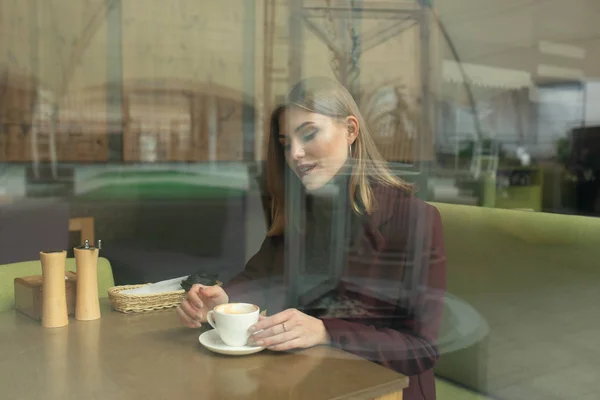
x=378 y=391
x=397 y=385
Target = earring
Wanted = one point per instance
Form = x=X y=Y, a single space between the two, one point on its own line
x=350 y=149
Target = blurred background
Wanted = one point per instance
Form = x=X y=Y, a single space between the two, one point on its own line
x=143 y=123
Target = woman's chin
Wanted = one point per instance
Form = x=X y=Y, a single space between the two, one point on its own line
x=316 y=182
x=311 y=187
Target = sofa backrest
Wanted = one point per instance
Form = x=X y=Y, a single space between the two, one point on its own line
x=533 y=277
x=532 y=227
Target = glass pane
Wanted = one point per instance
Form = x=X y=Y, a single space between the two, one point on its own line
x=412 y=185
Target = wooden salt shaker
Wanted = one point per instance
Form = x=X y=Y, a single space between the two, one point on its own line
x=87 y=304
x=54 y=303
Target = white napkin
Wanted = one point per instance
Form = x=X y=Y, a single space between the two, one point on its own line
x=169 y=285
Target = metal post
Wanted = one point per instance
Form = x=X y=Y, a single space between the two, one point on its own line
x=296 y=10
x=355 y=50
x=212 y=118
x=114 y=75
x=249 y=101
x=34 y=33
x=295 y=222
x=294 y=208
x=345 y=45
x=426 y=115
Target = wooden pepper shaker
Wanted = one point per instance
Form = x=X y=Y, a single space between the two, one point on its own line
x=87 y=304
x=54 y=297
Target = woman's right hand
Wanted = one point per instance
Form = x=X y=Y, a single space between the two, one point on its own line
x=198 y=302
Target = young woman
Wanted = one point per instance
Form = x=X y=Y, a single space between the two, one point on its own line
x=387 y=304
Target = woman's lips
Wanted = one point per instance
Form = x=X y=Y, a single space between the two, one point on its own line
x=305 y=169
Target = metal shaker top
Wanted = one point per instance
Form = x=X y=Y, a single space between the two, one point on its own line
x=86 y=245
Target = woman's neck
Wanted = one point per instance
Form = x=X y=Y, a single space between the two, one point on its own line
x=333 y=194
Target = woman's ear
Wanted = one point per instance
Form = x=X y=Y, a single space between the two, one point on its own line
x=352 y=128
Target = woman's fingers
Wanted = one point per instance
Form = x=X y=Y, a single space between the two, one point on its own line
x=207 y=296
x=191 y=311
x=202 y=297
x=288 y=330
x=272 y=331
x=275 y=329
x=271 y=340
x=193 y=296
x=186 y=320
x=211 y=292
x=268 y=322
x=198 y=301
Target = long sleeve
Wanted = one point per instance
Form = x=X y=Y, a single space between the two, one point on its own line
x=252 y=285
x=403 y=339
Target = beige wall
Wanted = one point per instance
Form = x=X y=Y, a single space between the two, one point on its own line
x=507 y=33
x=64 y=45
x=189 y=40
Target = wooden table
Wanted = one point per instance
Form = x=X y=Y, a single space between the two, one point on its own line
x=150 y=356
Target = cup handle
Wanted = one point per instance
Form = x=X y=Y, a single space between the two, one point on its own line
x=211 y=319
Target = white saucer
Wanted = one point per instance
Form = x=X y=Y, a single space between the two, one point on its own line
x=212 y=341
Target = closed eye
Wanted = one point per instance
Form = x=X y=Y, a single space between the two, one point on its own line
x=310 y=136
x=305 y=138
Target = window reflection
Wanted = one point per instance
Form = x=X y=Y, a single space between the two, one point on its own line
x=150 y=126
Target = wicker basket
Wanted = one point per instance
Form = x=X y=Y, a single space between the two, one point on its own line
x=135 y=303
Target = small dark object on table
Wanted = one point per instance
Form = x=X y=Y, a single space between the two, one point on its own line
x=201 y=278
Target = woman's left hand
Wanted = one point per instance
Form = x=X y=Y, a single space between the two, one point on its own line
x=287 y=330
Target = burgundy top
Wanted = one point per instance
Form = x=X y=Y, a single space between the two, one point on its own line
x=397 y=269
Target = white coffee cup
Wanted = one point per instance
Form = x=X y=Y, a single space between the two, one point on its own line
x=232 y=321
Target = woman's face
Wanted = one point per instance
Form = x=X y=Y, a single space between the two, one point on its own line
x=315 y=145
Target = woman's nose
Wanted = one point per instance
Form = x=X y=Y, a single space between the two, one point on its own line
x=297 y=151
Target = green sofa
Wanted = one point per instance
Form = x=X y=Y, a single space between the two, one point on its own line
x=9 y=272
x=534 y=280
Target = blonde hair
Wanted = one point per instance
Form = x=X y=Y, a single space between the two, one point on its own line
x=328 y=97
